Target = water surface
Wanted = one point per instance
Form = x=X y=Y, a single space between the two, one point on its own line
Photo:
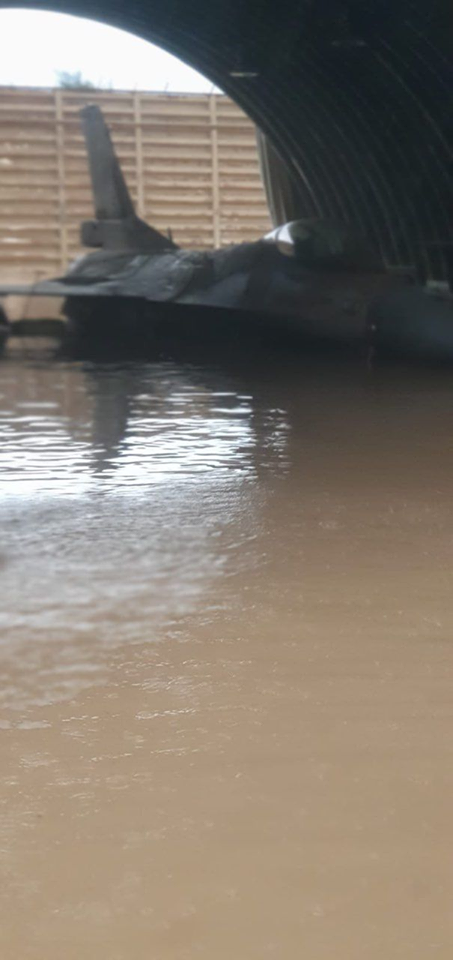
x=226 y=651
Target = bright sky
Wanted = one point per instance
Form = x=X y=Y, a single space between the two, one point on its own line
x=36 y=46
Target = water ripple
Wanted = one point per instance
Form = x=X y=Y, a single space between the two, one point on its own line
x=122 y=427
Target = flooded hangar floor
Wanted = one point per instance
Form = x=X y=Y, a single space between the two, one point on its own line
x=226 y=632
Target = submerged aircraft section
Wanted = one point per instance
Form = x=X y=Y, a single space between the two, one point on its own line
x=309 y=279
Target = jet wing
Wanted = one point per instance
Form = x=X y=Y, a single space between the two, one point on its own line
x=159 y=278
x=56 y=288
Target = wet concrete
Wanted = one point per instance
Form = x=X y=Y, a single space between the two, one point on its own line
x=226 y=650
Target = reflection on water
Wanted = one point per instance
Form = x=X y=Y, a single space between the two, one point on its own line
x=135 y=425
x=226 y=657
x=116 y=486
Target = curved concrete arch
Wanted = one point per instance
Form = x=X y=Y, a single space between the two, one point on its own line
x=355 y=93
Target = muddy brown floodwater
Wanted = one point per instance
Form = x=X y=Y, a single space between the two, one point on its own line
x=226 y=645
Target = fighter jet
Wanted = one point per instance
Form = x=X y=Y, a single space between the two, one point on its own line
x=309 y=279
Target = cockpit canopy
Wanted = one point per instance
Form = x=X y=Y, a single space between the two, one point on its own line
x=316 y=241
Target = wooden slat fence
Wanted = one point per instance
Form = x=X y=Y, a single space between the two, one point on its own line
x=190 y=162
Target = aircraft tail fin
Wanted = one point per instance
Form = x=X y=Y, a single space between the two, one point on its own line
x=116 y=225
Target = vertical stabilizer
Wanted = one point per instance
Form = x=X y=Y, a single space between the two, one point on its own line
x=116 y=226
x=112 y=200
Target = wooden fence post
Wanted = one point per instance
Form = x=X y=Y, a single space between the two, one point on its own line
x=216 y=231
x=63 y=236
x=139 y=155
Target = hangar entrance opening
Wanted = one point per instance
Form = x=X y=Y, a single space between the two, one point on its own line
x=188 y=153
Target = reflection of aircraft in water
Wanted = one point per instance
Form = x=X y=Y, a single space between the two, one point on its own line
x=153 y=422
x=4 y=328
x=308 y=279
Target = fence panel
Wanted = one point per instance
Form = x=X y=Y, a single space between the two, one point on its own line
x=190 y=161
